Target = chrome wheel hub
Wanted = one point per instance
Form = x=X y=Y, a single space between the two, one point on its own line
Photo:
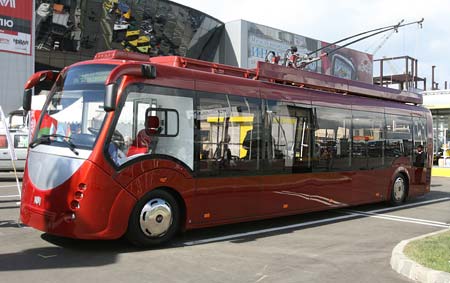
x=399 y=189
x=155 y=218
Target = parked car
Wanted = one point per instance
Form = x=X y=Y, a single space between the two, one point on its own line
x=19 y=137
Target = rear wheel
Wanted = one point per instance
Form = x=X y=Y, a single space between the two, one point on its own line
x=154 y=220
x=399 y=190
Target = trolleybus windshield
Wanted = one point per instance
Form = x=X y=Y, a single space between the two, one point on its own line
x=73 y=114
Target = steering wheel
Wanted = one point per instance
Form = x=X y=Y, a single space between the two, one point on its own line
x=93 y=130
x=116 y=138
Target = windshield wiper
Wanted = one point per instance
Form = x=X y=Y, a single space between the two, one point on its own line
x=46 y=139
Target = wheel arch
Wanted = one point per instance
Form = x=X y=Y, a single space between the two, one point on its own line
x=182 y=204
x=405 y=174
x=135 y=233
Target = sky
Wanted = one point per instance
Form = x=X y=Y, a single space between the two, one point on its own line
x=331 y=20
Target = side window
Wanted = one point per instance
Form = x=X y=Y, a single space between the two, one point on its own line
x=288 y=137
x=398 y=138
x=367 y=140
x=20 y=141
x=420 y=141
x=154 y=120
x=229 y=140
x=332 y=139
x=420 y=132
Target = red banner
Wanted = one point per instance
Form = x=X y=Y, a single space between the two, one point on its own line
x=20 y=9
x=16 y=17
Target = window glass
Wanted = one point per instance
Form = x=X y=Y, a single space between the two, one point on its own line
x=74 y=112
x=420 y=141
x=229 y=134
x=441 y=132
x=288 y=137
x=146 y=125
x=71 y=29
x=367 y=140
x=20 y=141
x=398 y=138
x=332 y=139
x=420 y=131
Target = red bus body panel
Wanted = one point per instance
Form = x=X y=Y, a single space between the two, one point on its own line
x=111 y=194
x=103 y=212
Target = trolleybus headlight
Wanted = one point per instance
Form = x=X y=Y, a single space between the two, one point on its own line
x=82 y=186
x=79 y=195
x=69 y=217
x=75 y=204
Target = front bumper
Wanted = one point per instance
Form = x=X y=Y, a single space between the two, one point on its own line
x=102 y=209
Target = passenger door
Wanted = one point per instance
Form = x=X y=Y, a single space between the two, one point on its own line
x=288 y=159
x=228 y=150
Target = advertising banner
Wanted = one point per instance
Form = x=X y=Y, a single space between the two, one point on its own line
x=16 y=17
x=345 y=63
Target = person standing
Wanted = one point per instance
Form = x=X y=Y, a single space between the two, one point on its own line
x=419 y=163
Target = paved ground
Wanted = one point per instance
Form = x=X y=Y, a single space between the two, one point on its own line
x=333 y=246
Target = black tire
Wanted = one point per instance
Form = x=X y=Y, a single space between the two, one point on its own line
x=155 y=219
x=399 y=190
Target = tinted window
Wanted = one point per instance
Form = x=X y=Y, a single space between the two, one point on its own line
x=420 y=131
x=367 y=140
x=76 y=30
x=229 y=140
x=420 y=140
x=398 y=138
x=288 y=137
x=332 y=139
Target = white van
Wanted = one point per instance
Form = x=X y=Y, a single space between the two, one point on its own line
x=18 y=129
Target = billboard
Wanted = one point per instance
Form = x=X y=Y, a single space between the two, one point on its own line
x=16 y=18
x=345 y=63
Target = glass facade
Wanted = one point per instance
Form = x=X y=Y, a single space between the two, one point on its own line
x=438 y=101
x=68 y=31
x=441 y=125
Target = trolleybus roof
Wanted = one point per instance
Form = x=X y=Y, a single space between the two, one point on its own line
x=274 y=74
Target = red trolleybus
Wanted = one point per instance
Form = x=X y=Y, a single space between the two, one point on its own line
x=147 y=147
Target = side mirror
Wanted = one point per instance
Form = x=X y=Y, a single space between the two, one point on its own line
x=41 y=79
x=26 y=102
x=110 y=97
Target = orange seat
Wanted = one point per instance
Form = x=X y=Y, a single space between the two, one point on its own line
x=58 y=8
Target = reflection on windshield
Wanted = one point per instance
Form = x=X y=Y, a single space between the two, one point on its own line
x=74 y=115
x=74 y=112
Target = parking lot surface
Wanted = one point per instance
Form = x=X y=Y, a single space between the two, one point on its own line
x=343 y=245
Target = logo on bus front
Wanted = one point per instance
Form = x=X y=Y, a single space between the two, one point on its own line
x=37 y=201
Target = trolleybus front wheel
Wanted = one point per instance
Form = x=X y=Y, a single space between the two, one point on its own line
x=154 y=220
x=399 y=190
